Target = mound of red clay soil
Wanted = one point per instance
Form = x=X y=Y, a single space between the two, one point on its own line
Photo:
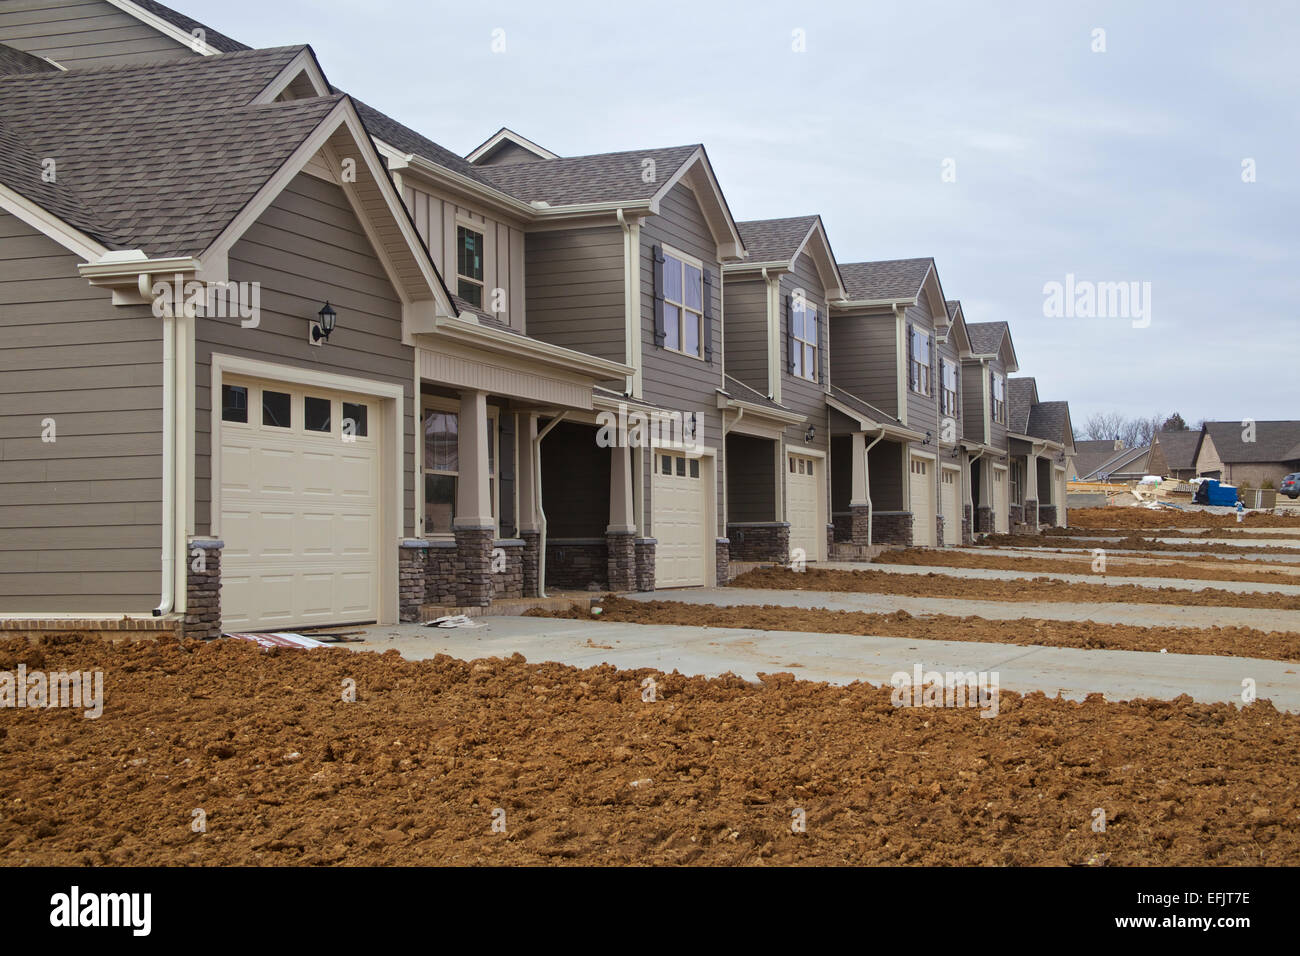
x=987 y=589
x=578 y=769
x=1148 y=518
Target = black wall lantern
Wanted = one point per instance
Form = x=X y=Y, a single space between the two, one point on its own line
x=322 y=326
x=810 y=434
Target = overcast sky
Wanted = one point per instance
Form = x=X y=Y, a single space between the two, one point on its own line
x=1117 y=166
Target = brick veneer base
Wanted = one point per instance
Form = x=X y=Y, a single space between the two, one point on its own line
x=531 y=561
x=620 y=571
x=759 y=541
x=508 y=568
x=891 y=527
x=1047 y=515
x=984 y=519
x=412 y=560
x=577 y=564
x=966 y=536
x=203 y=589
x=1031 y=514
x=1016 y=515
x=440 y=575
x=722 y=558
x=938 y=530
x=645 y=563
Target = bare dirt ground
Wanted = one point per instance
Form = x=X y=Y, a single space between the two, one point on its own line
x=1131 y=543
x=1117 y=566
x=1148 y=518
x=1231 y=534
x=1220 y=641
x=985 y=589
x=586 y=772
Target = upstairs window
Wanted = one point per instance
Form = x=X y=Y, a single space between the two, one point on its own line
x=919 y=362
x=948 y=389
x=683 y=305
x=999 y=399
x=469 y=265
x=803 y=339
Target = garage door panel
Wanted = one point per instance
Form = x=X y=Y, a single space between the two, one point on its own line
x=679 y=524
x=804 y=485
x=952 y=515
x=300 y=520
x=922 y=498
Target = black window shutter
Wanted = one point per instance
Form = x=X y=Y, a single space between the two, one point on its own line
x=823 y=344
x=658 y=253
x=707 y=333
x=789 y=337
x=911 y=369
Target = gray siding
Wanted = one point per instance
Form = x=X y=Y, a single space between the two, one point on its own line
x=922 y=412
x=80 y=518
x=798 y=394
x=972 y=400
x=308 y=246
x=864 y=361
x=745 y=326
x=948 y=350
x=751 y=478
x=84 y=34
x=507 y=154
x=574 y=284
x=677 y=381
x=998 y=431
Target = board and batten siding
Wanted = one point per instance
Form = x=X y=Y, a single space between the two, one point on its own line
x=972 y=400
x=84 y=33
x=307 y=247
x=436 y=218
x=745 y=328
x=948 y=351
x=864 y=361
x=575 y=295
x=922 y=410
x=998 y=430
x=80 y=517
x=670 y=379
x=798 y=394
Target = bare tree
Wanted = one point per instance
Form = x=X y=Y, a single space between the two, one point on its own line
x=1137 y=432
x=1103 y=426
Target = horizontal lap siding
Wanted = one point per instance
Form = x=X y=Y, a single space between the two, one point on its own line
x=746 y=332
x=751 y=484
x=84 y=34
x=998 y=432
x=800 y=395
x=972 y=400
x=80 y=518
x=308 y=246
x=676 y=381
x=575 y=295
x=864 y=361
x=921 y=409
x=948 y=350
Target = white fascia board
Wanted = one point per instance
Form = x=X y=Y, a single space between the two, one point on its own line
x=304 y=62
x=442 y=176
x=872 y=303
x=762 y=411
x=510 y=135
x=735 y=248
x=45 y=222
x=165 y=27
x=758 y=267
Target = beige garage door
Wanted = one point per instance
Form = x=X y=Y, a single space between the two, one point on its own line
x=803 y=489
x=1001 y=501
x=299 y=507
x=951 y=506
x=922 y=490
x=680 y=521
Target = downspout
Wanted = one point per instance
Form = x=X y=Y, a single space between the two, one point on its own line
x=537 y=503
x=629 y=383
x=866 y=458
x=970 y=494
x=168 y=600
x=740 y=413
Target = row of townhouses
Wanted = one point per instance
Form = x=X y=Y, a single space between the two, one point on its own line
x=342 y=372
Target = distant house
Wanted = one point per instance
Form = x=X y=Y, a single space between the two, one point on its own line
x=1173 y=453
x=1090 y=455
x=1249 y=454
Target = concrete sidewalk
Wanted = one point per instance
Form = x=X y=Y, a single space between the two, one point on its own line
x=995 y=574
x=843 y=658
x=1142 y=615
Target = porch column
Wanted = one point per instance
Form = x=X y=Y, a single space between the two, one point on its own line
x=1030 y=494
x=473 y=526
x=620 y=533
x=526 y=479
x=859 y=500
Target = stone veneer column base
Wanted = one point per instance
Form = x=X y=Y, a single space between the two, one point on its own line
x=531 y=561
x=1031 y=514
x=966 y=536
x=621 y=547
x=474 y=566
x=203 y=589
x=892 y=527
x=508 y=568
x=645 y=563
x=860 y=516
x=984 y=519
x=412 y=561
x=722 y=558
x=1047 y=515
x=759 y=541
x=938 y=530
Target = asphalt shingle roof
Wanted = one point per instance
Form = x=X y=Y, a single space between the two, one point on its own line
x=742 y=392
x=17 y=61
x=1179 y=447
x=1020 y=398
x=132 y=171
x=864 y=408
x=1274 y=441
x=603 y=177
x=1048 y=420
x=986 y=337
x=887 y=279
x=774 y=240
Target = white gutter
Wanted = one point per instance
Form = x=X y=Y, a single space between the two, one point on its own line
x=537 y=504
x=740 y=413
x=866 y=466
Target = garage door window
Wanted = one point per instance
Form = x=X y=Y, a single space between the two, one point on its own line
x=276 y=409
x=234 y=403
x=679 y=465
x=316 y=413
x=356 y=420
x=442 y=468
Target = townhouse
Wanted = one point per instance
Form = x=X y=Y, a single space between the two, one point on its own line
x=1040 y=443
x=344 y=374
